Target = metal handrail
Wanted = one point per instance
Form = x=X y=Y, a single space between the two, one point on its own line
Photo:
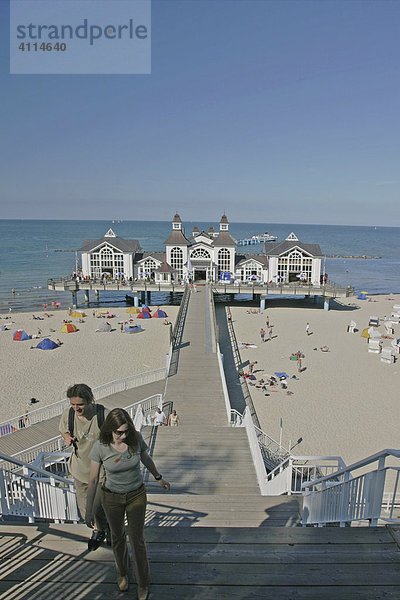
x=343 y=497
x=56 y=444
x=57 y=408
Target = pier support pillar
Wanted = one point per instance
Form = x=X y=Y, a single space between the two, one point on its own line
x=262 y=302
x=87 y=296
x=149 y=298
x=136 y=299
x=327 y=303
x=74 y=300
x=97 y=295
x=143 y=297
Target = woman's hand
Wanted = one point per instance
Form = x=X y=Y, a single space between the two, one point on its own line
x=89 y=519
x=164 y=484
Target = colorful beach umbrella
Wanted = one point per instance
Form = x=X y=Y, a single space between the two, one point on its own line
x=144 y=315
x=20 y=336
x=133 y=329
x=133 y=310
x=146 y=308
x=159 y=314
x=365 y=333
x=68 y=328
x=47 y=344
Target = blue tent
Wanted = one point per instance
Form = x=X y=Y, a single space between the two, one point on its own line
x=47 y=344
x=133 y=329
x=361 y=297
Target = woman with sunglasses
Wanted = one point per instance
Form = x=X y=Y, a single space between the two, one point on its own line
x=121 y=449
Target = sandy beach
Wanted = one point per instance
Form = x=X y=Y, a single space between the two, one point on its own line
x=84 y=356
x=345 y=401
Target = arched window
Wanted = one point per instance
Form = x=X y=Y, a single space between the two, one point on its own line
x=251 y=270
x=177 y=261
x=106 y=258
x=224 y=261
x=292 y=264
x=147 y=268
x=200 y=253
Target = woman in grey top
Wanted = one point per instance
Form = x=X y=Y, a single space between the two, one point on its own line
x=120 y=450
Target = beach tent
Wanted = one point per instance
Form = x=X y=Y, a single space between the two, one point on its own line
x=159 y=314
x=47 y=344
x=362 y=296
x=77 y=314
x=104 y=327
x=146 y=308
x=20 y=336
x=133 y=310
x=68 y=328
x=133 y=329
x=144 y=315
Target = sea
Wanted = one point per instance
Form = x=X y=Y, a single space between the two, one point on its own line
x=32 y=251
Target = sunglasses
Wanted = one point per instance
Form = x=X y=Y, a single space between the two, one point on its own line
x=119 y=433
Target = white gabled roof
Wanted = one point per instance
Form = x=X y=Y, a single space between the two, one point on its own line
x=292 y=237
x=110 y=234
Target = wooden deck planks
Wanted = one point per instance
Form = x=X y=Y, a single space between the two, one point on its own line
x=43 y=562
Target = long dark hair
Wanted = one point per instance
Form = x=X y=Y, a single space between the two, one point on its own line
x=114 y=420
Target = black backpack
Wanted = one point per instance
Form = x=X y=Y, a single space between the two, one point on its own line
x=71 y=415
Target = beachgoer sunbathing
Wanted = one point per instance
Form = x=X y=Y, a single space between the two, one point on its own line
x=324 y=348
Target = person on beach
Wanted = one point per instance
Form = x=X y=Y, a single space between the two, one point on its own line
x=308 y=329
x=120 y=450
x=270 y=333
x=267 y=322
x=251 y=367
x=299 y=355
x=262 y=334
x=173 y=419
x=86 y=431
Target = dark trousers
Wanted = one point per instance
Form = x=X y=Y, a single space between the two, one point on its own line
x=133 y=505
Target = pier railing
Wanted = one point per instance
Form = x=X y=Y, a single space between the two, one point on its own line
x=57 y=408
x=290 y=289
x=140 y=412
x=344 y=497
x=34 y=493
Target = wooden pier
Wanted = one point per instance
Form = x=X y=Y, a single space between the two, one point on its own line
x=141 y=291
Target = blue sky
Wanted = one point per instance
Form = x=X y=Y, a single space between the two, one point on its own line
x=282 y=111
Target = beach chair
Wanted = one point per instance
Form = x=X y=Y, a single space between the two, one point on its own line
x=374 y=321
x=388 y=325
x=374 y=334
x=387 y=355
x=396 y=346
x=351 y=327
x=395 y=314
x=374 y=345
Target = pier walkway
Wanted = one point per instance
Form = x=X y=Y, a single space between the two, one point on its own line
x=208 y=462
